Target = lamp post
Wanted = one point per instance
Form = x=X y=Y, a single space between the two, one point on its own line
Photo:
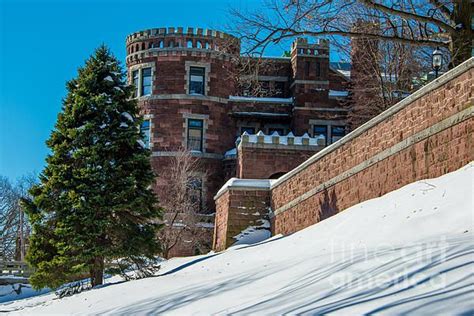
x=437 y=61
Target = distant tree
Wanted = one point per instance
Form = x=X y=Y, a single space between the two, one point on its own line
x=382 y=72
x=94 y=202
x=14 y=225
x=432 y=23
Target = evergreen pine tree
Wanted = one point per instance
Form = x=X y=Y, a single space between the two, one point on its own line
x=94 y=201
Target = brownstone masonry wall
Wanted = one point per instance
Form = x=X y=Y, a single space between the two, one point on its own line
x=426 y=135
x=270 y=156
x=239 y=204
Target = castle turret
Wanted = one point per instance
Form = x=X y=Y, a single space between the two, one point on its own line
x=310 y=65
x=179 y=78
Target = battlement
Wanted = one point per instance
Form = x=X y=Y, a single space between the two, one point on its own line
x=275 y=139
x=301 y=46
x=177 y=31
x=166 y=38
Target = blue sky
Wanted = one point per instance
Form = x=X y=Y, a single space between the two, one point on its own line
x=42 y=43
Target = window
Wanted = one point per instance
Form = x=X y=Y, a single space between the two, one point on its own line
x=264 y=87
x=196 y=80
x=280 y=131
x=249 y=130
x=135 y=82
x=279 y=89
x=321 y=130
x=195 y=193
x=306 y=68
x=318 y=69
x=189 y=44
x=195 y=134
x=337 y=132
x=198 y=44
x=146 y=132
x=146 y=81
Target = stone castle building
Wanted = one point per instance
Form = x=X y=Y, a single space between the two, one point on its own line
x=189 y=88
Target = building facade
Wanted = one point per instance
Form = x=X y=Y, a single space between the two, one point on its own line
x=189 y=88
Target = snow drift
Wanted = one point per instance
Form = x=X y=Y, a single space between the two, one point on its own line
x=408 y=251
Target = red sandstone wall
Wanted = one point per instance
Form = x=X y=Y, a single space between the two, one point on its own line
x=370 y=165
x=236 y=210
x=261 y=163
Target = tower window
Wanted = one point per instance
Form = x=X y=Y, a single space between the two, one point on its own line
x=145 y=130
x=196 y=80
x=135 y=82
x=195 y=135
x=146 y=81
x=321 y=130
x=337 y=132
x=189 y=44
x=318 y=69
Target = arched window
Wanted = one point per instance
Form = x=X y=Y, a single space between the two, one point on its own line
x=143 y=46
x=150 y=45
x=198 y=44
x=207 y=46
x=178 y=44
x=137 y=48
x=160 y=44
x=171 y=44
x=189 y=44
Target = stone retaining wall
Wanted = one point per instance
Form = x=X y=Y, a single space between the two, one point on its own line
x=425 y=135
x=239 y=204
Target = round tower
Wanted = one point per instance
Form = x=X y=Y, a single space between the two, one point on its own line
x=183 y=80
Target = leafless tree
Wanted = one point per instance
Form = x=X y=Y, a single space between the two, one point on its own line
x=181 y=199
x=432 y=23
x=245 y=69
x=383 y=72
x=14 y=226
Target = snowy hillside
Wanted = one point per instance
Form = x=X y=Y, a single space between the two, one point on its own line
x=408 y=251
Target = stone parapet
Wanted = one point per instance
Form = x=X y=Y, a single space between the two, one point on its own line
x=240 y=203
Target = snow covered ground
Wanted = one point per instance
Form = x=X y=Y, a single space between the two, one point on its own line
x=410 y=251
